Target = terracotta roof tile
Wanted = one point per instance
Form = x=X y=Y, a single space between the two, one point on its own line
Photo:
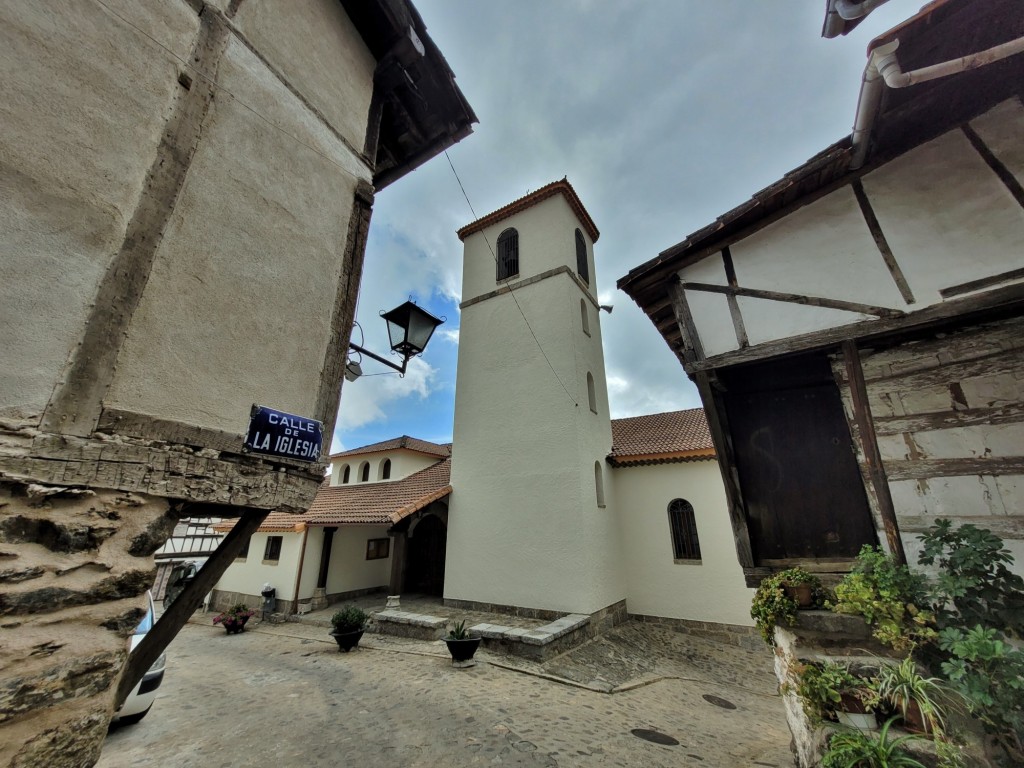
x=563 y=186
x=409 y=443
x=671 y=436
x=364 y=503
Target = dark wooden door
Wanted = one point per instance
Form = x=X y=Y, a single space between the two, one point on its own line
x=426 y=546
x=798 y=472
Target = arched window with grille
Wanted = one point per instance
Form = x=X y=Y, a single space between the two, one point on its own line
x=508 y=254
x=364 y=472
x=584 y=317
x=346 y=474
x=385 y=469
x=582 y=267
x=683 y=524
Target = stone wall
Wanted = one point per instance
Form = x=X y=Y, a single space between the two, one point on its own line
x=728 y=634
x=74 y=568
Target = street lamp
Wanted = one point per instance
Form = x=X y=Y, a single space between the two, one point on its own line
x=409 y=329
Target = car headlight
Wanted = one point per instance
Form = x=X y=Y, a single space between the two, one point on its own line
x=160 y=663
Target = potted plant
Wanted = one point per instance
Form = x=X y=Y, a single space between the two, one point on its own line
x=888 y=595
x=233 y=619
x=777 y=599
x=856 y=749
x=916 y=697
x=349 y=623
x=831 y=688
x=461 y=643
x=799 y=585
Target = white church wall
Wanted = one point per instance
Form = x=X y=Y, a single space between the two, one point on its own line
x=658 y=585
x=403 y=464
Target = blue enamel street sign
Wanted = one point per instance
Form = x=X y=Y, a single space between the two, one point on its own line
x=274 y=433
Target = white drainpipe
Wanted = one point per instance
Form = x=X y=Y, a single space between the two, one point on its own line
x=883 y=67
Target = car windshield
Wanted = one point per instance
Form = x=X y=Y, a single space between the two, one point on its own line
x=146 y=624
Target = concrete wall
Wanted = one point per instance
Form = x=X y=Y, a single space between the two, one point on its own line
x=709 y=590
x=934 y=204
x=525 y=528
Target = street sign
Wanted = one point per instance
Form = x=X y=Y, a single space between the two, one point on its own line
x=275 y=433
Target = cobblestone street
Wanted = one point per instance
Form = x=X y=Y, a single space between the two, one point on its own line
x=283 y=695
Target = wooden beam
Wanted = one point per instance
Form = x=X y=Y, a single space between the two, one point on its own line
x=718 y=423
x=734 y=303
x=883 y=245
x=693 y=350
x=979 y=284
x=1005 y=174
x=926 y=422
x=869 y=444
x=796 y=298
x=923 y=469
x=176 y=616
x=869 y=329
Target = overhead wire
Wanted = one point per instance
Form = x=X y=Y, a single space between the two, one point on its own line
x=511 y=291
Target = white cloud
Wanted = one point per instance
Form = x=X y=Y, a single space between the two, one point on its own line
x=450 y=334
x=365 y=400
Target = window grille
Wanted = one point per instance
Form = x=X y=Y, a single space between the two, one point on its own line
x=582 y=266
x=508 y=254
x=683 y=523
x=273 y=550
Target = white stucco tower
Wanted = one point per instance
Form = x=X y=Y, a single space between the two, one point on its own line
x=531 y=522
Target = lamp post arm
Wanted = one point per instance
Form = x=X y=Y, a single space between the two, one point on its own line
x=379 y=359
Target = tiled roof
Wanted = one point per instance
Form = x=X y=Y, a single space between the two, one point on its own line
x=563 y=186
x=661 y=437
x=409 y=443
x=365 y=503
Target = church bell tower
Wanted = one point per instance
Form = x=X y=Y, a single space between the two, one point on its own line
x=531 y=523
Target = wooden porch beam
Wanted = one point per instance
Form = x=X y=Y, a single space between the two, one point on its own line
x=869 y=329
x=175 y=617
x=869 y=443
x=796 y=298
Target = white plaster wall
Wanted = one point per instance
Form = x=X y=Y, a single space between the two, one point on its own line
x=238 y=306
x=83 y=104
x=947 y=218
x=350 y=570
x=311 y=562
x=659 y=586
x=547 y=239
x=403 y=464
x=1001 y=128
x=248 y=576
x=317 y=49
x=524 y=527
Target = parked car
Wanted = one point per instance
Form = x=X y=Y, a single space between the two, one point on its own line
x=141 y=699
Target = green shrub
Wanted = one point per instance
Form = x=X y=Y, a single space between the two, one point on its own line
x=351 y=618
x=771 y=605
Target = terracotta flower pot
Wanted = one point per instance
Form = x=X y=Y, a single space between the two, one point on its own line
x=802 y=594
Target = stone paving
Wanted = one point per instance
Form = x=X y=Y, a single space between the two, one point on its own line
x=282 y=695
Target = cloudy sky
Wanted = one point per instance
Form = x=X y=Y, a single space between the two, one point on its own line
x=663 y=114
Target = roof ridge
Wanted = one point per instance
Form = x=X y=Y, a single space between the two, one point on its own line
x=532 y=198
